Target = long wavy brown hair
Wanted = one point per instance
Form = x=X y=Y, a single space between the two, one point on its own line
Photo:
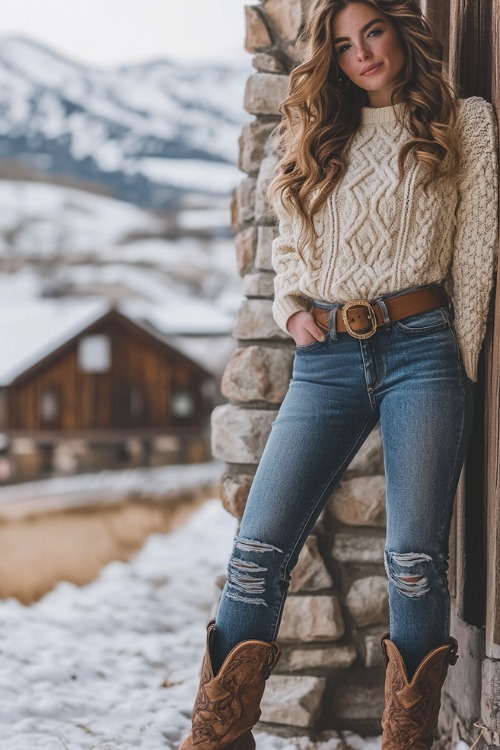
x=319 y=117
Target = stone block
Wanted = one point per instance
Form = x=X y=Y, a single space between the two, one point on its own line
x=310 y=573
x=311 y=618
x=296 y=48
x=251 y=145
x=245 y=243
x=295 y=51
x=257 y=34
x=286 y=17
x=360 y=501
x=359 y=697
x=239 y=435
x=490 y=698
x=264 y=93
x=324 y=657
x=263 y=254
x=367 y=601
x=234 y=492
x=292 y=700
x=370 y=458
x=319 y=528
x=243 y=203
x=374 y=656
x=263 y=210
x=467 y=670
x=257 y=373
x=267 y=63
x=255 y=321
x=359 y=546
x=259 y=284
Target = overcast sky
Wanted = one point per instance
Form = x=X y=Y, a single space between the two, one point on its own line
x=110 y=32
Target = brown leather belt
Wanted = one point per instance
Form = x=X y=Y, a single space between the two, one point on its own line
x=362 y=318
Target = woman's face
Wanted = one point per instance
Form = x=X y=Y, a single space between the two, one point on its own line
x=368 y=42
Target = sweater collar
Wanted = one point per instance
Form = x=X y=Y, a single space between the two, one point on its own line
x=374 y=115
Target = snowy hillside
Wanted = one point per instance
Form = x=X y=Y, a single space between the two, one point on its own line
x=62 y=244
x=146 y=132
x=83 y=244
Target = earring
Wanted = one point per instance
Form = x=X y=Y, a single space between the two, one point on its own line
x=343 y=82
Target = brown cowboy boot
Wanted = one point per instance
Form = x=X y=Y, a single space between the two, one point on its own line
x=411 y=708
x=228 y=705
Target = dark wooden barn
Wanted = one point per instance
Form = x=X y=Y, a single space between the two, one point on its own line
x=111 y=380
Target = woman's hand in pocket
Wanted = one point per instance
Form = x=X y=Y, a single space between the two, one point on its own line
x=304 y=329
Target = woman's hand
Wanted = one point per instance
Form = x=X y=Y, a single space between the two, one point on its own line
x=304 y=329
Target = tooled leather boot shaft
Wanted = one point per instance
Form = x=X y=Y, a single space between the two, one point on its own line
x=412 y=707
x=228 y=705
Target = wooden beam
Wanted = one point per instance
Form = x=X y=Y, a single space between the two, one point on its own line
x=471 y=61
x=492 y=541
x=471 y=64
x=438 y=13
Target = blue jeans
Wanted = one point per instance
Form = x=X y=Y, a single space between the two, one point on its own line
x=409 y=376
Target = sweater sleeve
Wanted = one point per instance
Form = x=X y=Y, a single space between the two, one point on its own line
x=288 y=267
x=476 y=226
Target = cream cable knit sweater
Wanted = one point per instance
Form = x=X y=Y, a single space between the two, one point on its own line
x=374 y=238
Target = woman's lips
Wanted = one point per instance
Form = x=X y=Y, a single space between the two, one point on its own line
x=372 y=70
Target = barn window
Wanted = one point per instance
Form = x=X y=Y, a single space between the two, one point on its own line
x=182 y=404
x=94 y=353
x=49 y=406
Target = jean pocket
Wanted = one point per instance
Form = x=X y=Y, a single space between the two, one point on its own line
x=311 y=346
x=426 y=321
x=459 y=354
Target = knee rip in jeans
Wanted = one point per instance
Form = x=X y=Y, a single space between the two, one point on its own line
x=413 y=585
x=244 y=582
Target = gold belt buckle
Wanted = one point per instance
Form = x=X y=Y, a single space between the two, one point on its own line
x=371 y=315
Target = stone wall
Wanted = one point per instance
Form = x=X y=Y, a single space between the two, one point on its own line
x=331 y=674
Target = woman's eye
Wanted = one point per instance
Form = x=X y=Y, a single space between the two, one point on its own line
x=346 y=46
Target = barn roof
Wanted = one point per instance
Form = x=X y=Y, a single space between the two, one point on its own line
x=31 y=331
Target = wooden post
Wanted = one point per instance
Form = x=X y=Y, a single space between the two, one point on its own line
x=474 y=52
x=470 y=65
x=470 y=54
x=493 y=422
x=438 y=13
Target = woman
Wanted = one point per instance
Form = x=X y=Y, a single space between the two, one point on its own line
x=385 y=190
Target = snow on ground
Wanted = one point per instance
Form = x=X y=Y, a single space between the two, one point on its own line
x=114 y=665
x=84 y=667
x=108 y=485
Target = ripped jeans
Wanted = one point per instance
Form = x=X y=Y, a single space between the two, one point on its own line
x=409 y=376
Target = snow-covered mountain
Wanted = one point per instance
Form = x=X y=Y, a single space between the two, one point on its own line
x=146 y=133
